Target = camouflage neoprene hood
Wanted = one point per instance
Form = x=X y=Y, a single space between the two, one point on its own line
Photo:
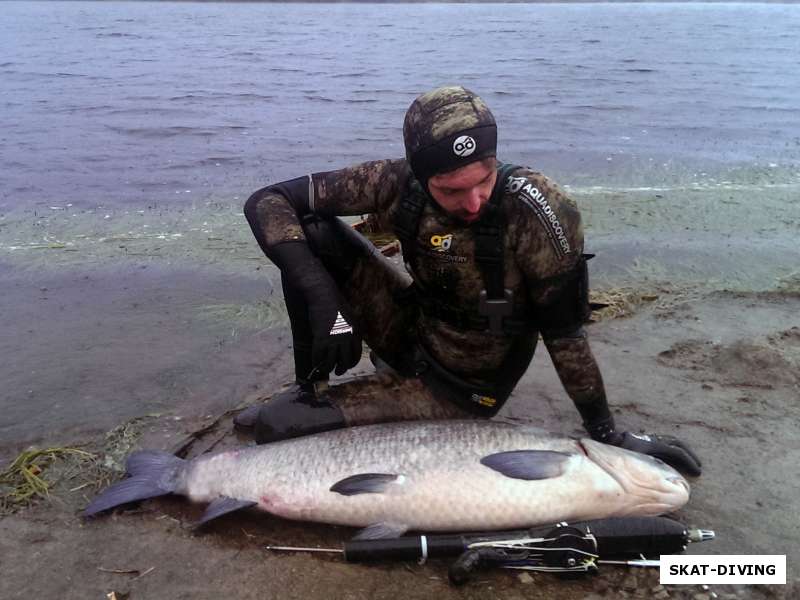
x=445 y=129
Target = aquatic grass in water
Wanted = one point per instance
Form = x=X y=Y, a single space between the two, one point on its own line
x=789 y=285
x=266 y=314
x=91 y=237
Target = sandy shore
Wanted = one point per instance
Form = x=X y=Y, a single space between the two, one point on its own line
x=103 y=324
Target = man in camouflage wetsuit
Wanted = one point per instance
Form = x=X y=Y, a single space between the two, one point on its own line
x=493 y=256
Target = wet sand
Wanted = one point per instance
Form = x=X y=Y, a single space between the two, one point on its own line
x=89 y=350
x=185 y=328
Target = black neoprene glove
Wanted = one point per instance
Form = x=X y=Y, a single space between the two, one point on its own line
x=335 y=345
x=671 y=450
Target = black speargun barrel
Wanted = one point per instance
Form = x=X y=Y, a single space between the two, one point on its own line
x=616 y=537
x=635 y=536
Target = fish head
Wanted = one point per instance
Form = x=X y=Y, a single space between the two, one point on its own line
x=653 y=486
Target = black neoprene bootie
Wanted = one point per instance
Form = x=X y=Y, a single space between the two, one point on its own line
x=245 y=421
x=300 y=410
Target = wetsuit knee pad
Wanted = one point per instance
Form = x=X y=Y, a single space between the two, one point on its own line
x=335 y=243
x=295 y=413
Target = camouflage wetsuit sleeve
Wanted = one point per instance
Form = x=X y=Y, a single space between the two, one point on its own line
x=274 y=212
x=550 y=244
x=546 y=225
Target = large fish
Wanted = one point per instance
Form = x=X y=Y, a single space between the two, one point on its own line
x=430 y=476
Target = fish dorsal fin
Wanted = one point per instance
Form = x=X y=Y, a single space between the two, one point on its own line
x=222 y=506
x=382 y=531
x=366 y=483
x=529 y=465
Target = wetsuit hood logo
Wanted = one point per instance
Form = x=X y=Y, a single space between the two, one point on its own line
x=464 y=145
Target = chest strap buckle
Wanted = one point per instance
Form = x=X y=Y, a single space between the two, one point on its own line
x=496 y=309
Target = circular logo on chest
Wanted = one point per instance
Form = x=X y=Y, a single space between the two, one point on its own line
x=464 y=145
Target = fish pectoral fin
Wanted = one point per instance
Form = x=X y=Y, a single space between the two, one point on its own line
x=382 y=531
x=528 y=464
x=222 y=506
x=366 y=483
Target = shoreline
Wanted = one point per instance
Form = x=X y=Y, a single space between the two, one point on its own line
x=718 y=369
x=177 y=277
x=172 y=315
x=728 y=235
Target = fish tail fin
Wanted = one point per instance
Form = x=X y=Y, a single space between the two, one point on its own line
x=152 y=473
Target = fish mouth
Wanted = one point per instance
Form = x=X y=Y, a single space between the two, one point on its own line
x=679 y=481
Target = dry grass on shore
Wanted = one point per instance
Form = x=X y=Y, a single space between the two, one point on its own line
x=42 y=474
x=34 y=473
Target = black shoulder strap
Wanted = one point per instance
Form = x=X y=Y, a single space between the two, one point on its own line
x=496 y=302
x=407 y=217
x=490 y=237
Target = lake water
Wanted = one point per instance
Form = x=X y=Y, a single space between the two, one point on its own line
x=163 y=103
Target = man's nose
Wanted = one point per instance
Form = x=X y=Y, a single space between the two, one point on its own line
x=473 y=200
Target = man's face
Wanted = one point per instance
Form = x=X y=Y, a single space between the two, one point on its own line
x=464 y=192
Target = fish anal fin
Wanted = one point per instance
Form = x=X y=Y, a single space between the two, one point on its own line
x=529 y=465
x=366 y=483
x=222 y=506
x=382 y=531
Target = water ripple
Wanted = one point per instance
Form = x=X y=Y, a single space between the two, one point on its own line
x=261 y=91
